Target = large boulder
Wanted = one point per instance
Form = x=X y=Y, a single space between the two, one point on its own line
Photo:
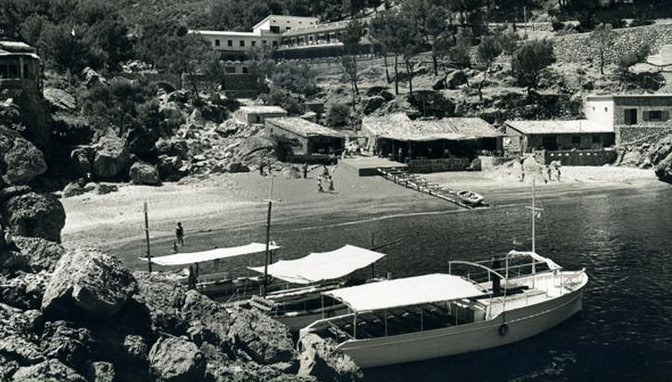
x=91 y=77
x=20 y=160
x=12 y=191
x=172 y=147
x=12 y=260
x=87 y=284
x=164 y=298
x=24 y=291
x=111 y=157
x=68 y=344
x=265 y=340
x=35 y=215
x=144 y=173
x=456 y=78
x=50 y=370
x=661 y=158
x=321 y=360
x=208 y=320
x=23 y=351
x=372 y=104
x=174 y=359
x=60 y=100
x=80 y=159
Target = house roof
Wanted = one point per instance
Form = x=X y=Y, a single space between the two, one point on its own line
x=225 y=33
x=582 y=126
x=263 y=109
x=399 y=127
x=8 y=48
x=608 y=97
x=284 y=17
x=302 y=127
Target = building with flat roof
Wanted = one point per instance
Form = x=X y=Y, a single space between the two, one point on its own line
x=559 y=135
x=289 y=36
x=302 y=137
x=257 y=114
x=632 y=117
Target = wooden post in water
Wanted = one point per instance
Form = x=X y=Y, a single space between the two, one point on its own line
x=149 y=255
x=268 y=231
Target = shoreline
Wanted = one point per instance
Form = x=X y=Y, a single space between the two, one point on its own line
x=233 y=207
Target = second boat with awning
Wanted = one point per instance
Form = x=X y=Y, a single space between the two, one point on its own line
x=316 y=273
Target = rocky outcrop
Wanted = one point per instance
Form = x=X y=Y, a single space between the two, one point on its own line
x=50 y=370
x=80 y=159
x=87 y=284
x=455 y=79
x=144 y=173
x=23 y=161
x=35 y=215
x=372 y=104
x=111 y=157
x=661 y=158
x=43 y=254
x=175 y=359
x=25 y=290
x=164 y=298
x=321 y=360
x=60 y=100
x=69 y=344
x=264 y=339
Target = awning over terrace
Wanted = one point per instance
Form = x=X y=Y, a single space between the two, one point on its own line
x=409 y=291
x=213 y=254
x=322 y=266
x=401 y=128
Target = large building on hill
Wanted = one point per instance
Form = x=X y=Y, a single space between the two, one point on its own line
x=289 y=36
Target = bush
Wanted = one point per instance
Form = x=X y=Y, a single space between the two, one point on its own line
x=529 y=60
x=338 y=114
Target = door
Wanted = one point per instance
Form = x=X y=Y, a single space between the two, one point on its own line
x=550 y=143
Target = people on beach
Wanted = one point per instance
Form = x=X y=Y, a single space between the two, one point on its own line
x=555 y=165
x=319 y=184
x=325 y=171
x=174 y=247
x=261 y=168
x=179 y=234
x=305 y=170
x=330 y=181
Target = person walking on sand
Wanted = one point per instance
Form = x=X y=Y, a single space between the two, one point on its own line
x=555 y=165
x=305 y=170
x=330 y=181
x=319 y=184
x=179 y=234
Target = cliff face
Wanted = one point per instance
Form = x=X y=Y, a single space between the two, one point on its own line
x=661 y=158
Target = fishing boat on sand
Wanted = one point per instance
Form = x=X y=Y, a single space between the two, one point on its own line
x=311 y=276
x=438 y=315
x=470 y=197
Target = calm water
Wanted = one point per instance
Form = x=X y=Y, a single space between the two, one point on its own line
x=623 y=238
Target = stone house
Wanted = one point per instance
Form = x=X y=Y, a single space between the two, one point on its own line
x=257 y=114
x=19 y=67
x=633 y=118
x=302 y=137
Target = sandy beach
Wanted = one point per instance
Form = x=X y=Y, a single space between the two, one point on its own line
x=235 y=202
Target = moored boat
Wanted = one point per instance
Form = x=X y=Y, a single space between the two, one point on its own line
x=310 y=276
x=439 y=315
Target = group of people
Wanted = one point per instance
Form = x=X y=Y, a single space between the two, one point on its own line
x=325 y=176
x=546 y=172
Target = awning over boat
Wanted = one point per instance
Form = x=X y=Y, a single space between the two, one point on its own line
x=213 y=254
x=322 y=266
x=552 y=265
x=409 y=291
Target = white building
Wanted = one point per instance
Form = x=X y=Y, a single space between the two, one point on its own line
x=266 y=32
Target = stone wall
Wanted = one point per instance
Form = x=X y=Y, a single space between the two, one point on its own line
x=639 y=134
x=577 y=48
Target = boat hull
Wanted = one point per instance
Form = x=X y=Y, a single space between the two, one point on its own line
x=521 y=323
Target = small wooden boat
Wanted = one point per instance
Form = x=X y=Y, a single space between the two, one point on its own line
x=470 y=197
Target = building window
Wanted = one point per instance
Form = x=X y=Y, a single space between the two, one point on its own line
x=275 y=29
x=254 y=43
x=242 y=43
x=576 y=139
x=596 y=139
x=229 y=43
x=606 y=109
x=264 y=42
x=217 y=43
x=656 y=115
x=229 y=69
x=630 y=116
x=593 y=108
x=288 y=28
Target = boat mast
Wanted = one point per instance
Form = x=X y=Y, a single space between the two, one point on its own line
x=534 y=211
x=149 y=255
x=268 y=230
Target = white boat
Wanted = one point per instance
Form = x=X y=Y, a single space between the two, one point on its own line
x=310 y=276
x=439 y=315
x=217 y=283
x=470 y=197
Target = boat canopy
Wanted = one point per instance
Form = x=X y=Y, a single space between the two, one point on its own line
x=552 y=265
x=213 y=254
x=322 y=266
x=409 y=291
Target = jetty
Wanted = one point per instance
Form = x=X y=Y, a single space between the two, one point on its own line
x=462 y=198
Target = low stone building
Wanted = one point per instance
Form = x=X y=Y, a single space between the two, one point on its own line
x=301 y=137
x=434 y=145
x=578 y=142
x=633 y=118
x=258 y=114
